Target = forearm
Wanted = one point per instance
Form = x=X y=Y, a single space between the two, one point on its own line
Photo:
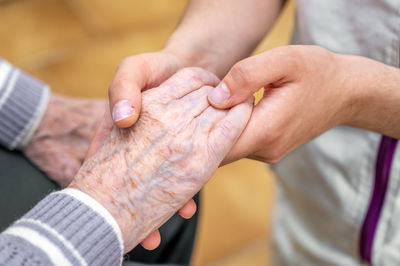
x=23 y=101
x=375 y=92
x=216 y=34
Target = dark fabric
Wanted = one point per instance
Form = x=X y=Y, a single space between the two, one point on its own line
x=22 y=185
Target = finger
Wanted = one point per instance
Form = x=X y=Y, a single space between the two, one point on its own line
x=101 y=135
x=152 y=241
x=251 y=137
x=187 y=80
x=195 y=102
x=134 y=74
x=261 y=128
x=251 y=74
x=188 y=210
x=210 y=118
x=125 y=91
x=228 y=129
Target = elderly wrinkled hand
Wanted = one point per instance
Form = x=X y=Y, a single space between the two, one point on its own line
x=144 y=174
x=61 y=141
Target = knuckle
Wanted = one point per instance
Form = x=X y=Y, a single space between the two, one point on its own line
x=191 y=72
x=284 y=52
x=299 y=57
x=127 y=62
x=197 y=76
x=120 y=79
x=295 y=59
x=117 y=84
x=241 y=73
x=227 y=128
x=293 y=56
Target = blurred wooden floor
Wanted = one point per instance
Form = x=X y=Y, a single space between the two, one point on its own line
x=75 y=46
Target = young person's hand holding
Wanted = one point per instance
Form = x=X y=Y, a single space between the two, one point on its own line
x=308 y=90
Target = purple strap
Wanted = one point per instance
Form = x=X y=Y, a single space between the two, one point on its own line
x=382 y=175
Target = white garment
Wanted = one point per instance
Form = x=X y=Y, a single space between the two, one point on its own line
x=324 y=187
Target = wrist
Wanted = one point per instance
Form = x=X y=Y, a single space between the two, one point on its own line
x=189 y=55
x=70 y=228
x=347 y=85
x=125 y=219
x=374 y=93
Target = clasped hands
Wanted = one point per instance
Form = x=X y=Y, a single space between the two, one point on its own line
x=145 y=173
x=308 y=90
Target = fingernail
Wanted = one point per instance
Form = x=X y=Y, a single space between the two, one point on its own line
x=122 y=110
x=219 y=94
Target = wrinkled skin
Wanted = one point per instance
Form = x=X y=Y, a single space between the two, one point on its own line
x=144 y=174
x=61 y=141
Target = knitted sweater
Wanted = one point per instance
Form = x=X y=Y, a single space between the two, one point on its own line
x=67 y=227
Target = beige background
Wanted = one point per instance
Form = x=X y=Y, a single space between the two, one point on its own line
x=75 y=46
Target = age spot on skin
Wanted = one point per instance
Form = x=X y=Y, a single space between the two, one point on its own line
x=133 y=185
x=133 y=216
x=147 y=172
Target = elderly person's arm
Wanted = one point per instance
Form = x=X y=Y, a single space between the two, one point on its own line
x=23 y=101
x=138 y=179
x=53 y=131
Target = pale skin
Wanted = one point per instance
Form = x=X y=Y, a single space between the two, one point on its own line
x=61 y=141
x=308 y=89
x=212 y=46
x=144 y=174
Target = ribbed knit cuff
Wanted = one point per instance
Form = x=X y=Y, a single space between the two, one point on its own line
x=71 y=228
x=23 y=101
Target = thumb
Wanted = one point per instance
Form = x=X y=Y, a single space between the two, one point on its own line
x=248 y=76
x=125 y=92
x=135 y=74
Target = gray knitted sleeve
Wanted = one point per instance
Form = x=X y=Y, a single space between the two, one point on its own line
x=23 y=101
x=65 y=228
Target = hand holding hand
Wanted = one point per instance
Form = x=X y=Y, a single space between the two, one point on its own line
x=144 y=174
x=307 y=90
x=134 y=75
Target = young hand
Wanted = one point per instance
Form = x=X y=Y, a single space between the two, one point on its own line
x=308 y=90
